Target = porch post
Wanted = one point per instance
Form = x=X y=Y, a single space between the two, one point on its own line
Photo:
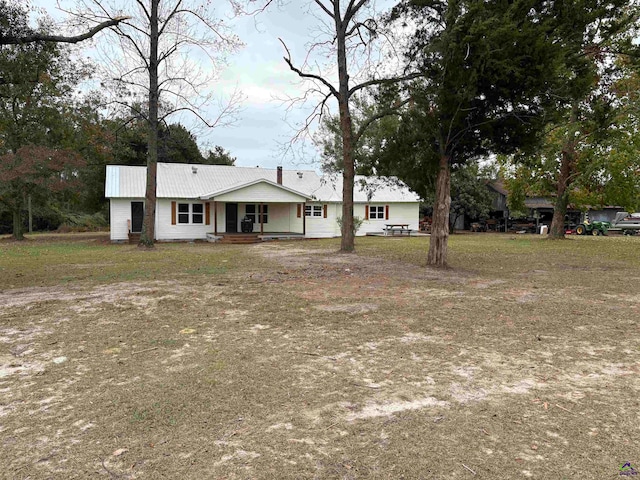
x=261 y=217
x=215 y=218
x=304 y=219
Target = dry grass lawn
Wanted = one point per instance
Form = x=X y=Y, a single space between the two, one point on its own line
x=290 y=361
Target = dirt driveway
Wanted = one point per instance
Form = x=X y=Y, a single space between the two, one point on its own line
x=300 y=363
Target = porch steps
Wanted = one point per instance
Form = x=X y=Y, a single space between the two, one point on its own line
x=240 y=239
x=134 y=238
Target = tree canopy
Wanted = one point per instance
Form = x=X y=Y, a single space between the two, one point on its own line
x=36 y=131
x=492 y=74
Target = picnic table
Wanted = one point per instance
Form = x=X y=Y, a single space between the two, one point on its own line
x=401 y=228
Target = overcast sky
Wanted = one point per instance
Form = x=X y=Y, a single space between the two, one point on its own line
x=265 y=125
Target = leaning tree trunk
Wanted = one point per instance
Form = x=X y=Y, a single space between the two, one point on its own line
x=148 y=227
x=346 y=128
x=437 y=256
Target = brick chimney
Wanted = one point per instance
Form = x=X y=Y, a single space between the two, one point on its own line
x=279 y=176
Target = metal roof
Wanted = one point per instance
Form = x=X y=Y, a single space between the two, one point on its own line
x=179 y=180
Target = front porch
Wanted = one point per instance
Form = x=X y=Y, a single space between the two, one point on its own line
x=256 y=211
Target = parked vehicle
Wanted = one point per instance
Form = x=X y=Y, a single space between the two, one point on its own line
x=593 y=228
x=629 y=223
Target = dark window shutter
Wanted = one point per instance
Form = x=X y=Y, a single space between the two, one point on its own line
x=299 y=210
x=173 y=213
x=386 y=212
x=207 y=213
x=366 y=212
x=325 y=210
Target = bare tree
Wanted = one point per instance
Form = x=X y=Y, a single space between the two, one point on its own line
x=349 y=30
x=152 y=58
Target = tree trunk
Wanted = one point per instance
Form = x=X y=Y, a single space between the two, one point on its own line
x=147 y=236
x=18 y=228
x=437 y=256
x=347 y=242
x=562 y=199
x=346 y=128
x=567 y=166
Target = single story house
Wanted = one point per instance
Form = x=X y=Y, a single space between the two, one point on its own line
x=209 y=201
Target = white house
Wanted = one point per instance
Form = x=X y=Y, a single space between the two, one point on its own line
x=209 y=201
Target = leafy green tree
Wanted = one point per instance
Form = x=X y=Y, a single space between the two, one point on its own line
x=36 y=138
x=600 y=32
x=492 y=69
x=95 y=141
x=219 y=156
x=369 y=148
x=469 y=194
x=602 y=167
x=177 y=145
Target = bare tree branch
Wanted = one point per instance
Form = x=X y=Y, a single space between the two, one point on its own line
x=352 y=10
x=324 y=8
x=39 y=37
x=301 y=74
x=384 y=81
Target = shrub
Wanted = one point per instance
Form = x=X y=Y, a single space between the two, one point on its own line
x=83 y=222
x=357 y=223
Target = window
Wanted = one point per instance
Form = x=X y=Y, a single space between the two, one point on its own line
x=313 y=210
x=183 y=213
x=197 y=213
x=376 y=212
x=191 y=213
x=250 y=212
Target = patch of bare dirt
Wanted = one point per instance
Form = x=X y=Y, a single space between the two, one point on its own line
x=319 y=368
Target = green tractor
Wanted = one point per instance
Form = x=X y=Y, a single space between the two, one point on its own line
x=593 y=228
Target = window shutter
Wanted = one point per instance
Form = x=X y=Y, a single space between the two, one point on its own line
x=173 y=213
x=299 y=210
x=366 y=212
x=325 y=210
x=207 y=213
x=386 y=212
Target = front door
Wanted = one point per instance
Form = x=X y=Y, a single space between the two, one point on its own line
x=231 y=215
x=137 y=215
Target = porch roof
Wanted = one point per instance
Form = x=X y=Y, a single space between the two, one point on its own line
x=260 y=190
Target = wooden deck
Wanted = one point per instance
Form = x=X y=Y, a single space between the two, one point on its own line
x=249 y=238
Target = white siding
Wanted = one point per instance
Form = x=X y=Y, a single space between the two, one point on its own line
x=282 y=218
x=320 y=227
x=297 y=225
x=261 y=192
x=221 y=216
x=119 y=215
x=180 y=231
x=398 y=213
